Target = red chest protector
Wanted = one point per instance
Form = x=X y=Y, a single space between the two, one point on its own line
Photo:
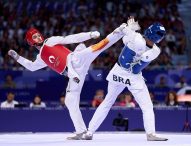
x=55 y=57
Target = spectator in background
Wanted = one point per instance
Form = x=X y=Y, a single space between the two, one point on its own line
x=98 y=98
x=154 y=101
x=171 y=40
x=119 y=100
x=182 y=83
x=37 y=103
x=9 y=83
x=162 y=82
x=83 y=15
x=126 y=100
x=171 y=99
x=62 y=102
x=1 y=58
x=10 y=102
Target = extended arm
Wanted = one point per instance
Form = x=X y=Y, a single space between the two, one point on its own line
x=70 y=39
x=32 y=66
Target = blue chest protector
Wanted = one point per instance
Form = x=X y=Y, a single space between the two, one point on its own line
x=126 y=58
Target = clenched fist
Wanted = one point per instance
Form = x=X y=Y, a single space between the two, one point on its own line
x=94 y=34
x=13 y=54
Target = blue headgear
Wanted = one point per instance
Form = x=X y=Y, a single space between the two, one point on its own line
x=155 y=32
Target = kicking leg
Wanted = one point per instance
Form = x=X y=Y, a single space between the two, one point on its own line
x=89 y=54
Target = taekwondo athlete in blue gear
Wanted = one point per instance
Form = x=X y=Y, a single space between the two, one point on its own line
x=154 y=33
x=139 y=50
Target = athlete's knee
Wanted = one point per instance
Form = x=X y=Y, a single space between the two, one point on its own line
x=70 y=101
x=148 y=108
x=80 y=47
x=108 y=101
x=72 y=107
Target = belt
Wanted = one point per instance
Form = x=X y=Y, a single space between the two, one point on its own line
x=126 y=69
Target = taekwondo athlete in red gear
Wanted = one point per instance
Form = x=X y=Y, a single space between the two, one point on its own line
x=54 y=54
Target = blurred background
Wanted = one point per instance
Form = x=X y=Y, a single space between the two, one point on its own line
x=35 y=100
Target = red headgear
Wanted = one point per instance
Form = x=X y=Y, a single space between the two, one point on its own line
x=29 y=35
